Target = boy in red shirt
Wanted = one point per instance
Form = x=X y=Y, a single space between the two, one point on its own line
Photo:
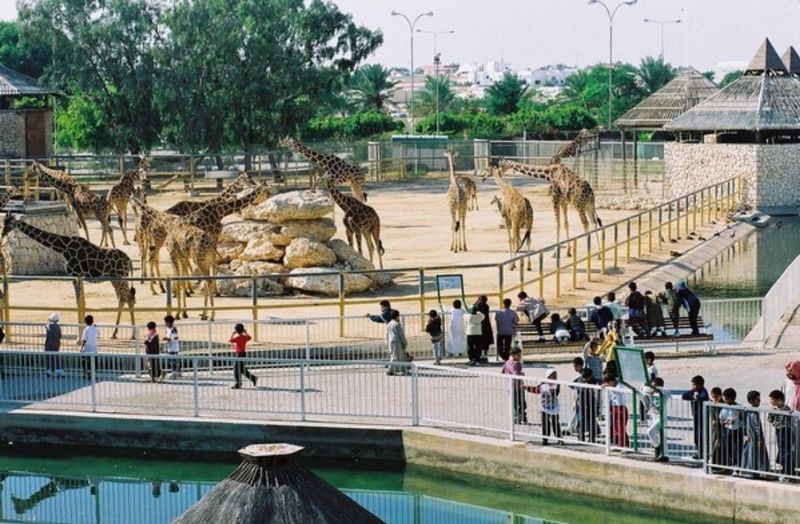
x=239 y=339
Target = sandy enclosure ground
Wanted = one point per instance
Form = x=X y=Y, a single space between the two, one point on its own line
x=415 y=229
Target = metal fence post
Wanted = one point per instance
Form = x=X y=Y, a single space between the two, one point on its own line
x=575 y=264
x=628 y=241
x=421 y=291
x=541 y=273
x=588 y=258
x=308 y=341
x=93 y=377
x=195 y=386
x=639 y=236
x=137 y=365
x=500 y=283
x=607 y=414
x=414 y=395
x=558 y=270
x=616 y=246
x=303 y=391
x=168 y=293
x=706 y=440
x=603 y=251
x=341 y=304
x=512 y=432
x=210 y=348
x=254 y=296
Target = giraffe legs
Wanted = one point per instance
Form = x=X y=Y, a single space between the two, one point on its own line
x=557 y=213
x=126 y=295
x=564 y=211
x=122 y=220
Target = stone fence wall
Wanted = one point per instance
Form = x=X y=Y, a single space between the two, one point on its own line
x=771 y=171
x=12 y=133
x=23 y=256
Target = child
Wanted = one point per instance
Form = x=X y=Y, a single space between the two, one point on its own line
x=697 y=396
x=587 y=407
x=576 y=327
x=619 y=413
x=654 y=417
x=474 y=320
x=549 y=406
x=558 y=329
x=88 y=345
x=456 y=341
x=655 y=316
x=506 y=321
x=434 y=329
x=650 y=361
x=173 y=346
x=396 y=338
x=754 y=452
x=782 y=422
x=152 y=349
x=731 y=438
x=513 y=366
x=715 y=427
x=239 y=339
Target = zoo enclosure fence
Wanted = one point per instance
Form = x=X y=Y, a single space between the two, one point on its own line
x=593 y=253
x=359 y=392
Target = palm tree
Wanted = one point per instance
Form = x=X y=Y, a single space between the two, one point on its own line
x=426 y=100
x=654 y=73
x=371 y=88
x=504 y=96
x=575 y=86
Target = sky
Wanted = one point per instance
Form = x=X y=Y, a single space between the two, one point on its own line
x=533 y=33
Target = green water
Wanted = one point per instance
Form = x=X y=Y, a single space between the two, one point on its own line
x=753 y=264
x=113 y=490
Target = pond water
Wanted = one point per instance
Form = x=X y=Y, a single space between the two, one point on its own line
x=751 y=266
x=61 y=488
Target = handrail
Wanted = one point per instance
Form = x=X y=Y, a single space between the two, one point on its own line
x=783 y=294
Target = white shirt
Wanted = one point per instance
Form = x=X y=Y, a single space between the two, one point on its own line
x=549 y=399
x=90 y=337
x=474 y=323
x=652 y=371
x=173 y=346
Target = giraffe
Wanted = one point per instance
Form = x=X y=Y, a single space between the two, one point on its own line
x=573 y=148
x=120 y=195
x=340 y=171
x=85 y=260
x=472 y=191
x=517 y=213
x=457 y=201
x=360 y=220
x=566 y=189
x=209 y=217
x=82 y=199
x=186 y=207
x=150 y=233
x=6 y=197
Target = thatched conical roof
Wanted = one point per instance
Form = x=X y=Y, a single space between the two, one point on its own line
x=13 y=83
x=792 y=61
x=679 y=95
x=765 y=98
x=269 y=486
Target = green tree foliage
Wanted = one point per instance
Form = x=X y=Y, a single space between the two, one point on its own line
x=21 y=53
x=589 y=90
x=425 y=101
x=361 y=125
x=505 y=96
x=654 y=73
x=730 y=78
x=103 y=51
x=454 y=125
x=371 y=88
x=81 y=125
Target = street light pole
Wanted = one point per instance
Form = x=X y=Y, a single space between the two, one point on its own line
x=611 y=14
x=436 y=59
x=411 y=26
x=662 y=23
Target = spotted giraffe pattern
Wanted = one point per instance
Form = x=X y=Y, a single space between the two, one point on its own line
x=471 y=190
x=573 y=148
x=333 y=167
x=86 y=260
x=457 y=203
x=120 y=195
x=566 y=189
x=517 y=212
x=360 y=220
x=187 y=207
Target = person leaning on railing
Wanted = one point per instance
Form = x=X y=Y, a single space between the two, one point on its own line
x=386 y=313
x=534 y=309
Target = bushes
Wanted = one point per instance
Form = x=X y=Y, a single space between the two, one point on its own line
x=361 y=125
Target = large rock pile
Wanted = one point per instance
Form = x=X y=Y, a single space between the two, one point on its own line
x=291 y=233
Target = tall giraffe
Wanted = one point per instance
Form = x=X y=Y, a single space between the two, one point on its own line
x=360 y=220
x=472 y=191
x=340 y=171
x=151 y=234
x=209 y=217
x=85 y=260
x=566 y=189
x=186 y=207
x=457 y=201
x=120 y=195
x=572 y=148
x=82 y=199
x=517 y=212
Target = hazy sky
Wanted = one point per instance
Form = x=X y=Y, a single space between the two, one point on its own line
x=540 y=32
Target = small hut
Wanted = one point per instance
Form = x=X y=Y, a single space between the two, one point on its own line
x=749 y=129
x=24 y=132
x=269 y=486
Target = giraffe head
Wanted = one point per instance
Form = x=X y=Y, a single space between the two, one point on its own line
x=143 y=167
x=261 y=192
x=287 y=142
x=496 y=202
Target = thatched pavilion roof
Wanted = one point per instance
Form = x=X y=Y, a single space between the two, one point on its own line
x=791 y=60
x=765 y=98
x=679 y=95
x=13 y=83
x=270 y=487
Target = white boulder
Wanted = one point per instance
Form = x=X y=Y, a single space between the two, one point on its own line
x=230 y=250
x=261 y=249
x=319 y=230
x=302 y=253
x=294 y=205
x=325 y=282
x=351 y=259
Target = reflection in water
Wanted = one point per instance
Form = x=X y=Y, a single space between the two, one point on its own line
x=751 y=265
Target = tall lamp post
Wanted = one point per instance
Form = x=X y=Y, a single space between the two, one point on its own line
x=436 y=61
x=662 y=23
x=611 y=13
x=411 y=26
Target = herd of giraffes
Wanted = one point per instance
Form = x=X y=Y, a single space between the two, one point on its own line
x=190 y=230
x=566 y=189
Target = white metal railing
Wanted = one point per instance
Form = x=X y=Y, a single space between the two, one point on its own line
x=782 y=295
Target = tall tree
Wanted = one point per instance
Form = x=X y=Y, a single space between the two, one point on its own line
x=504 y=96
x=246 y=73
x=21 y=53
x=589 y=90
x=654 y=73
x=371 y=88
x=426 y=100
x=103 y=51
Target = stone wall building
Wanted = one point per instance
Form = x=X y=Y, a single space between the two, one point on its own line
x=749 y=129
x=24 y=132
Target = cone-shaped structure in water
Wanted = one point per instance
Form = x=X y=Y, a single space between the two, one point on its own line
x=271 y=487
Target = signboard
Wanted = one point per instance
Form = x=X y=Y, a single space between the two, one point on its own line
x=632 y=368
x=449 y=282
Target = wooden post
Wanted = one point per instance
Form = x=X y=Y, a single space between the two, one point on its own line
x=558 y=270
x=588 y=258
x=421 y=290
x=616 y=246
x=254 y=306
x=541 y=273
x=635 y=159
x=660 y=226
x=669 y=222
x=81 y=301
x=603 y=251
x=650 y=230
x=628 y=241
x=694 y=212
x=639 y=236
x=574 y=264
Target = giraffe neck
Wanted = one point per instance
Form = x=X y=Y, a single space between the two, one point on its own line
x=307 y=152
x=543 y=172
x=55 y=179
x=57 y=243
x=346 y=204
x=216 y=211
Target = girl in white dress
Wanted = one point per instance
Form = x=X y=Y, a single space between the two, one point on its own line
x=456 y=343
